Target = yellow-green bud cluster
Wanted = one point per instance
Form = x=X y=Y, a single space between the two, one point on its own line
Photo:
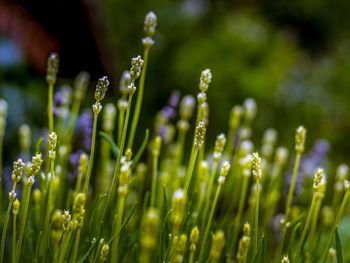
x=24 y=137
x=341 y=175
x=124 y=83
x=332 y=254
x=219 y=147
x=281 y=155
x=285 y=259
x=83 y=163
x=149 y=229
x=66 y=221
x=15 y=207
x=109 y=115
x=52 y=68
x=235 y=117
x=194 y=237
x=187 y=107
x=181 y=249
x=37 y=196
x=79 y=208
x=245 y=165
x=318 y=179
x=17 y=172
x=250 y=109
x=81 y=83
x=199 y=134
x=245 y=148
x=243 y=245
x=135 y=71
x=300 y=137
x=269 y=141
x=217 y=246
x=56 y=226
x=124 y=177
x=35 y=166
x=256 y=166
x=179 y=206
x=225 y=167
x=104 y=253
x=52 y=145
x=157 y=143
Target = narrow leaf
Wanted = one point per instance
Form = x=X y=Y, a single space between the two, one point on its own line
x=338 y=247
x=111 y=143
x=141 y=150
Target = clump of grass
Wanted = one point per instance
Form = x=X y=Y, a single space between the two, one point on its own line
x=164 y=200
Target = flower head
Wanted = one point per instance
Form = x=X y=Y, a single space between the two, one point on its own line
x=205 y=80
x=101 y=88
x=52 y=68
x=136 y=67
x=150 y=24
x=300 y=137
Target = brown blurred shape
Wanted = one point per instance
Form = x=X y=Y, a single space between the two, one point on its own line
x=34 y=41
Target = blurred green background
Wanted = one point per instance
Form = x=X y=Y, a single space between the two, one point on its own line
x=293 y=57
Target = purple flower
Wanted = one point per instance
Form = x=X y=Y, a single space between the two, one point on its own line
x=84 y=130
x=61 y=100
x=174 y=99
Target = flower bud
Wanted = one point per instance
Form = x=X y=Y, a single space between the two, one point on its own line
x=52 y=68
x=101 y=88
x=256 y=166
x=205 y=80
x=81 y=83
x=186 y=107
x=136 y=67
x=300 y=137
x=217 y=246
x=150 y=24
x=199 y=134
x=124 y=83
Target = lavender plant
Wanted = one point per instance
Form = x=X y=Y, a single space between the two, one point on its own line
x=164 y=200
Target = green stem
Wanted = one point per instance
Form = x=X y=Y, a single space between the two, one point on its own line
x=238 y=218
x=14 y=235
x=76 y=245
x=4 y=230
x=291 y=188
x=190 y=169
x=336 y=222
x=139 y=99
x=50 y=107
x=120 y=209
x=154 y=180
x=117 y=167
x=306 y=227
x=92 y=153
x=121 y=118
x=256 y=220
x=23 y=222
x=208 y=225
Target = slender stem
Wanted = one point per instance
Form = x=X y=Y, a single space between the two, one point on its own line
x=238 y=218
x=23 y=222
x=14 y=236
x=336 y=222
x=121 y=118
x=256 y=220
x=208 y=225
x=154 y=180
x=191 y=257
x=120 y=209
x=306 y=227
x=50 y=107
x=292 y=186
x=76 y=245
x=209 y=192
x=289 y=202
x=1 y=177
x=117 y=167
x=48 y=210
x=139 y=99
x=190 y=169
x=4 y=230
x=92 y=153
